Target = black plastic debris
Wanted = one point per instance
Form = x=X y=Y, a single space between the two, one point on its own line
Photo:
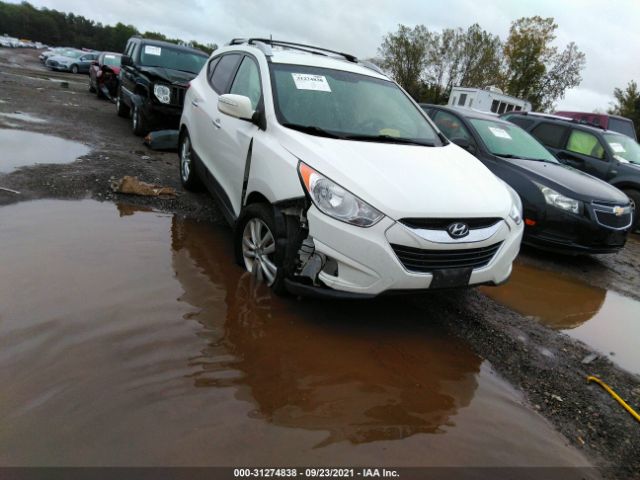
x=162 y=140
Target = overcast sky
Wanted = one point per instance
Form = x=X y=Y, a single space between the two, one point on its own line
x=607 y=31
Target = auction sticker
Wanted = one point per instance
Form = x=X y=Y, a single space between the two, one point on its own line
x=305 y=81
x=500 y=133
x=617 y=147
x=151 y=50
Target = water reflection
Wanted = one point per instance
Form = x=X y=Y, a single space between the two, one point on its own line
x=355 y=370
x=559 y=301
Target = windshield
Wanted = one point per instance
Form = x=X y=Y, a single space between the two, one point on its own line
x=173 y=58
x=112 y=60
x=346 y=105
x=507 y=140
x=623 y=147
x=72 y=53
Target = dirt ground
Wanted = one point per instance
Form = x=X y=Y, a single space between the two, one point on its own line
x=546 y=365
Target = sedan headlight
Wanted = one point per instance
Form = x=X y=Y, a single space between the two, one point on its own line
x=162 y=93
x=560 y=201
x=333 y=200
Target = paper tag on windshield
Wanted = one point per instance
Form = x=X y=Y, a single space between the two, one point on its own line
x=617 y=147
x=500 y=133
x=110 y=56
x=305 y=81
x=151 y=50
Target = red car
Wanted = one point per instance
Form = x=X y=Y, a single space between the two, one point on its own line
x=103 y=75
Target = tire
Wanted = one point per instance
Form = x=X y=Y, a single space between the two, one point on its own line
x=188 y=175
x=257 y=225
x=74 y=69
x=121 y=108
x=91 y=87
x=634 y=196
x=138 y=123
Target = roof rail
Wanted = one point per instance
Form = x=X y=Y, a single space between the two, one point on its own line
x=294 y=46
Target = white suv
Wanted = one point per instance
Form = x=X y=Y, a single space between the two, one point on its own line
x=335 y=181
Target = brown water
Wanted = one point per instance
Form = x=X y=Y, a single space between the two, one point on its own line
x=22 y=148
x=131 y=338
x=605 y=320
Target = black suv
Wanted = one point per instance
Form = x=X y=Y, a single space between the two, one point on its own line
x=605 y=154
x=153 y=80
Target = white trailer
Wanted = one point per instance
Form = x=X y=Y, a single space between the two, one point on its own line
x=489 y=100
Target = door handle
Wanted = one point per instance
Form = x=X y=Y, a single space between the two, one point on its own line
x=195 y=103
x=216 y=123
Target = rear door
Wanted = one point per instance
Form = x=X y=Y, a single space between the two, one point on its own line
x=584 y=151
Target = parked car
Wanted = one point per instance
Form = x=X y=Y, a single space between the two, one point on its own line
x=565 y=210
x=44 y=56
x=335 y=181
x=153 y=80
x=74 y=61
x=608 y=122
x=608 y=155
x=103 y=75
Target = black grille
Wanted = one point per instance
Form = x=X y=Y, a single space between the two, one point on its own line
x=419 y=260
x=612 y=220
x=443 y=223
x=177 y=96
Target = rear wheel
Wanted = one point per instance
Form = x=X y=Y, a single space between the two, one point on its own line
x=121 y=108
x=188 y=175
x=634 y=196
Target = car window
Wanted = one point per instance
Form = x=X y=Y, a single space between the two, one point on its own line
x=585 y=143
x=522 y=122
x=550 y=134
x=223 y=72
x=451 y=125
x=624 y=149
x=247 y=82
x=508 y=140
x=347 y=104
x=623 y=126
x=211 y=67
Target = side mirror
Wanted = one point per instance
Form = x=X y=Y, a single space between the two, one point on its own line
x=126 y=61
x=464 y=143
x=237 y=106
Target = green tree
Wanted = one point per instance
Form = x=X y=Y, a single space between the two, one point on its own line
x=628 y=104
x=404 y=55
x=534 y=68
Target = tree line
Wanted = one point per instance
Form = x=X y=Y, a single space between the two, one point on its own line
x=526 y=64
x=66 y=29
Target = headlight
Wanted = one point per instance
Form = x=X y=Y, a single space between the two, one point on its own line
x=560 y=201
x=516 y=208
x=162 y=93
x=333 y=200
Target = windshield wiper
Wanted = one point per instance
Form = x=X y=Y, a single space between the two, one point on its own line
x=519 y=157
x=388 y=139
x=312 y=130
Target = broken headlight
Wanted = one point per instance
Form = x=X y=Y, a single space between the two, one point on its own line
x=162 y=93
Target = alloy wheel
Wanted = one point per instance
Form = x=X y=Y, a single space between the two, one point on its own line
x=134 y=118
x=258 y=250
x=185 y=159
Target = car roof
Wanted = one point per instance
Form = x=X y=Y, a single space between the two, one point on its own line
x=560 y=120
x=175 y=46
x=468 y=112
x=302 y=58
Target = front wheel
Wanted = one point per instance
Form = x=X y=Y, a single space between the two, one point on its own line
x=634 y=196
x=138 y=122
x=256 y=246
x=91 y=87
x=74 y=69
x=121 y=108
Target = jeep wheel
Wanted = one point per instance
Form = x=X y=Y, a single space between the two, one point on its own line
x=121 y=108
x=188 y=175
x=256 y=246
x=634 y=196
x=138 y=123
x=74 y=69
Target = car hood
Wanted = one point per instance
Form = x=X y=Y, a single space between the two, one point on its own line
x=570 y=181
x=405 y=180
x=169 y=75
x=62 y=58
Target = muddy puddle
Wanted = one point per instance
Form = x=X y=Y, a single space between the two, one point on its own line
x=605 y=320
x=132 y=338
x=21 y=148
x=23 y=117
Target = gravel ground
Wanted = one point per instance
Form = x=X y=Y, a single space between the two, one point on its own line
x=546 y=365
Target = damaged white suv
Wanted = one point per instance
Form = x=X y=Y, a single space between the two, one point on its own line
x=335 y=181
